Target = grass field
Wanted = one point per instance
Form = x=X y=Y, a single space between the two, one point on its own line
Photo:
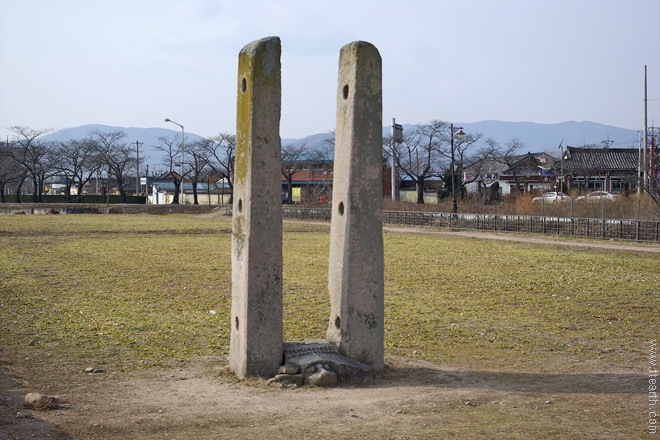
x=131 y=292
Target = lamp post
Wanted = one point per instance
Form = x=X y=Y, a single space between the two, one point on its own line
x=460 y=135
x=137 y=167
x=397 y=136
x=561 y=168
x=182 y=136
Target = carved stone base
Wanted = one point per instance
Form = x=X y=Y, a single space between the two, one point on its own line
x=320 y=352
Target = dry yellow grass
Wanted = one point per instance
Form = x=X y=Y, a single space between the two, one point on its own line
x=478 y=330
x=125 y=289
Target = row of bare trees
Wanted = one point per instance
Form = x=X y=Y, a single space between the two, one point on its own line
x=426 y=153
x=30 y=158
x=209 y=159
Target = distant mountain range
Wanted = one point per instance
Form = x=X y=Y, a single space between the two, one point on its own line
x=535 y=137
x=148 y=136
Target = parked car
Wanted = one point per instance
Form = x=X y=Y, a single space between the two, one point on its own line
x=552 y=197
x=598 y=196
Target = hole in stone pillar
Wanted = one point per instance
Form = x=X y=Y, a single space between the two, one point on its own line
x=338 y=322
x=243 y=85
x=236 y=322
x=240 y=205
x=341 y=208
x=346 y=91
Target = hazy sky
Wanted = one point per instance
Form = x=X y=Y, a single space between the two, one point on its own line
x=134 y=63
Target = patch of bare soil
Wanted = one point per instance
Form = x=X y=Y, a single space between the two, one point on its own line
x=411 y=399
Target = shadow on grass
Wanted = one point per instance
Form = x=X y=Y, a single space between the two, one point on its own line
x=591 y=383
x=12 y=395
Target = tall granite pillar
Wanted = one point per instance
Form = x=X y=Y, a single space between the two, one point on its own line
x=356 y=278
x=256 y=307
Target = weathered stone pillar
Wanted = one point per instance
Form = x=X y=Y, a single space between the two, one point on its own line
x=355 y=274
x=256 y=307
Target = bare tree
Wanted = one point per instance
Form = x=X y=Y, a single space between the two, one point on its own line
x=294 y=160
x=77 y=161
x=475 y=166
x=10 y=171
x=116 y=155
x=652 y=188
x=199 y=165
x=171 y=146
x=418 y=155
x=222 y=156
x=324 y=159
x=652 y=185
x=461 y=156
x=506 y=155
x=32 y=153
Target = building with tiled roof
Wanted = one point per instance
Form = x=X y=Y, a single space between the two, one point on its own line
x=599 y=169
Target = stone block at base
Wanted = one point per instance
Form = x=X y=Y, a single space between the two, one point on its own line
x=310 y=353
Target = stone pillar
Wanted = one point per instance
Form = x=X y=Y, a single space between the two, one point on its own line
x=355 y=278
x=256 y=307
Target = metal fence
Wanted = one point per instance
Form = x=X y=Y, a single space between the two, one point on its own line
x=605 y=229
x=596 y=228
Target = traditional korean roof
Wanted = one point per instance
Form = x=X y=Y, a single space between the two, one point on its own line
x=526 y=165
x=601 y=159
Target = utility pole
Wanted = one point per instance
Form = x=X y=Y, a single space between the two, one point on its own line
x=639 y=164
x=646 y=135
x=182 y=147
x=561 y=167
x=653 y=166
x=607 y=143
x=137 y=171
x=460 y=135
x=397 y=136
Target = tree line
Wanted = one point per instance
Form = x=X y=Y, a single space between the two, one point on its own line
x=29 y=160
x=425 y=152
x=433 y=150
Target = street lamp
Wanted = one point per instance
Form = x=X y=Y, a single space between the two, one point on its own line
x=182 y=136
x=460 y=135
x=561 y=168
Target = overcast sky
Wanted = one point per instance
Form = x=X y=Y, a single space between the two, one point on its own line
x=134 y=63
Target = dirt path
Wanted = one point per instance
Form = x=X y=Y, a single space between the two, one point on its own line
x=411 y=399
x=520 y=238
